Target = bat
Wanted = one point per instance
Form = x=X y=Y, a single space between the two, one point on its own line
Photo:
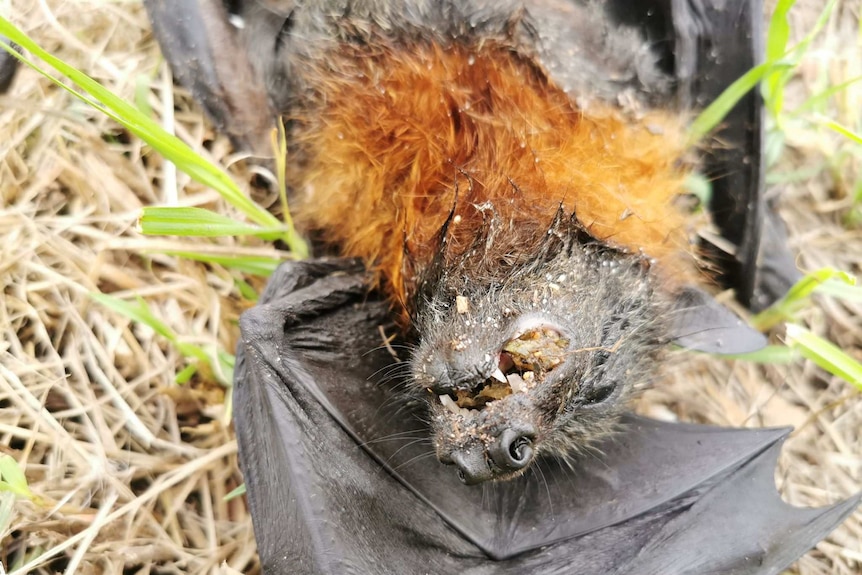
x=509 y=206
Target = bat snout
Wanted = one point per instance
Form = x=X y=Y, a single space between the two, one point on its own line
x=505 y=456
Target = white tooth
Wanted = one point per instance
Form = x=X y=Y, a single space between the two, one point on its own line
x=517 y=383
x=499 y=375
x=450 y=404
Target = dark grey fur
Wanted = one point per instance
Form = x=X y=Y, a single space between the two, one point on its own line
x=583 y=51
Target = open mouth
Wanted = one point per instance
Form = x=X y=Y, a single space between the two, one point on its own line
x=522 y=364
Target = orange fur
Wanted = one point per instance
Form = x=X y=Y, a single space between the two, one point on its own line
x=403 y=135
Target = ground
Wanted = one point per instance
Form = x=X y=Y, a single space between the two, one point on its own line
x=129 y=471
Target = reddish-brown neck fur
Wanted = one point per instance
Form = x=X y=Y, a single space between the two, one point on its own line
x=402 y=137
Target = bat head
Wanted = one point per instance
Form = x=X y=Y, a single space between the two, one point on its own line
x=540 y=360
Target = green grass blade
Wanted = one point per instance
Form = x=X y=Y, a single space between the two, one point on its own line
x=712 y=116
x=822 y=97
x=137 y=311
x=279 y=144
x=246 y=291
x=778 y=33
x=813 y=280
x=142 y=91
x=825 y=354
x=822 y=19
x=169 y=221
x=7 y=507
x=186 y=374
x=226 y=363
x=776 y=47
x=254 y=265
x=12 y=479
x=802 y=175
x=139 y=124
x=771 y=354
x=238 y=492
x=777 y=37
x=699 y=186
x=843 y=130
x=798 y=295
x=841 y=290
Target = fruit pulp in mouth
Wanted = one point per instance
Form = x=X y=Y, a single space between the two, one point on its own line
x=523 y=362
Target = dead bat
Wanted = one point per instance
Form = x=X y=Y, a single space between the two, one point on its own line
x=505 y=176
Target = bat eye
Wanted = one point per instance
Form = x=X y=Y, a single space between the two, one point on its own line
x=599 y=394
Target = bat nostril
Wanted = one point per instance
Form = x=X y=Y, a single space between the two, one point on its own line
x=513 y=449
x=519 y=449
x=472 y=466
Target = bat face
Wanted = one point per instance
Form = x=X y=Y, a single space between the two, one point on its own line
x=542 y=362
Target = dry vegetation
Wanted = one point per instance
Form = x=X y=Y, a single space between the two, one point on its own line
x=130 y=470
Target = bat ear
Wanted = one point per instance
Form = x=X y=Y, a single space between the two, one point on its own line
x=700 y=323
x=208 y=57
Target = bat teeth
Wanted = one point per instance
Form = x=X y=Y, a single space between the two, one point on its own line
x=450 y=405
x=499 y=375
x=516 y=382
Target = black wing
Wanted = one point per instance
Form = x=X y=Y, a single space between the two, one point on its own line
x=715 y=42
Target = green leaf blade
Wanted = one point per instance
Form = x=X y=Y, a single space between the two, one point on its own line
x=139 y=124
x=253 y=265
x=198 y=222
x=797 y=296
x=715 y=112
x=825 y=354
x=137 y=311
x=12 y=479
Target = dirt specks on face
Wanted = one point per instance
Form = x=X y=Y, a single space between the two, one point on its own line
x=462 y=305
x=459 y=343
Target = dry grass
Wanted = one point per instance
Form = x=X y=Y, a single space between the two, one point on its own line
x=130 y=470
